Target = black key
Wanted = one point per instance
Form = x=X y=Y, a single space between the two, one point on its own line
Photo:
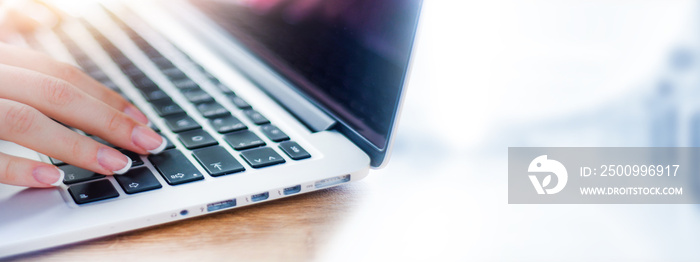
x=175 y=167
x=185 y=83
x=274 y=133
x=135 y=158
x=262 y=157
x=162 y=62
x=243 y=140
x=56 y=161
x=197 y=96
x=92 y=191
x=212 y=109
x=293 y=150
x=153 y=93
x=227 y=124
x=174 y=73
x=181 y=122
x=256 y=117
x=239 y=102
x=143 y=82
x=138 y=180
x=224 y=89
x=196 y=139
x=217 y=161
x=169 y=144
x=75 y=174
x=133 y=72
x=166 y=107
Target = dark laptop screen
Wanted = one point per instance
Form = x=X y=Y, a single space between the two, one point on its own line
x=349 y=55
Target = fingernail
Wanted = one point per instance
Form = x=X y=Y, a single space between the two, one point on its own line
x=113 y=160
x=49 y=175
x=148 y=140
x=136 y=114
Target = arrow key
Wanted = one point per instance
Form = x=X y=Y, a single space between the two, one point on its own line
x=138 y=180
x=262 y=157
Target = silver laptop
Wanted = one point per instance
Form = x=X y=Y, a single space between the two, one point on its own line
x=260 y=100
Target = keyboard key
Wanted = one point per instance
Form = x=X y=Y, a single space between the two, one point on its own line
x=224 y=89
x=256 y=117
x=274 y=133
x=196 y=139
x=227 y=124
x=92 y=191
x=169 y=144
x=185 y=83
x=212 y=109
x=175 y=167
x=181 y=122
x=135 y=158
x=166 y=107
x=239 y=102
x=217 y=161
x=174 y=73
x=138 y=180
x=75 y=174
x=293 y=150
x=197 y=96
x=153 y=93
x=262 y=157
x=243 y=140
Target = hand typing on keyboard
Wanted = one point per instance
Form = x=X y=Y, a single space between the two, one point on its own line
x=41 y=97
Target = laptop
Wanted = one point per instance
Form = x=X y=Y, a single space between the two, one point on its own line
x=259 y=99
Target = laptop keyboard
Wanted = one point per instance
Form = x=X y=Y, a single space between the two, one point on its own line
x=172 y=165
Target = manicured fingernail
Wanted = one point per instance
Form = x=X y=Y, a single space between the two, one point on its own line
x=49 y=175
x=136 y=114
x=113 y=160
x=148 y=140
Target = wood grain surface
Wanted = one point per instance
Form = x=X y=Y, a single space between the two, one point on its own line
x=291 y=229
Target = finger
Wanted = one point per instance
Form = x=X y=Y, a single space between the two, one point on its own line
x=62 y=101
x=26 y=126
x=24 y=172
x=42 y=63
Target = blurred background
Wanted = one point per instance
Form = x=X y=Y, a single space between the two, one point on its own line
x=489 y=75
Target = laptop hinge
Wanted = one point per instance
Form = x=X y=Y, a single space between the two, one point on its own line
x=269 y=81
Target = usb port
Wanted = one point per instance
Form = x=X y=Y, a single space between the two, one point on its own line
x=259 y=197
x=292 y=190
x=221 y=205
x=332 y=181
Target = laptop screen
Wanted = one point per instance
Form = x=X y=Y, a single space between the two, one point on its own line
x=349 y=55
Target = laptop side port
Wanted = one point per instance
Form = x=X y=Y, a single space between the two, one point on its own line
x=260 y=197
x=292 y=190
x=221 y=205
x=332 y=181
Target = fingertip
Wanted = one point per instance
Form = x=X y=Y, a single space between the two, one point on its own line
x=48 y=175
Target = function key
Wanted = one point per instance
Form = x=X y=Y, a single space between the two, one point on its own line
x=181 y=122
x=138 y=180
x=256 y=117
x=212 y=109
x=196 y=139
x=75 y=174
x=262 y=157
x=92 y=191
x=175 y=167
x=243 y=140
x=227 y=124
x=294 y=151
x=274 y=133
x=217 y=161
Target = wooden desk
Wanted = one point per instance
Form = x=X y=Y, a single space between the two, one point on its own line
x=291 y=229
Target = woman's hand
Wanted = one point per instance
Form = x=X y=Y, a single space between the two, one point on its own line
x=34 y=89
